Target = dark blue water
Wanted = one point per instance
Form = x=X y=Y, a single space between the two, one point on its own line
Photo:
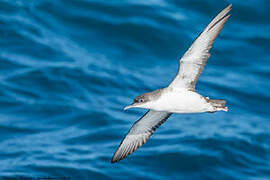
x=67 y=69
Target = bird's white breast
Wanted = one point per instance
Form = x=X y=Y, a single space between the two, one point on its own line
x=181 y=101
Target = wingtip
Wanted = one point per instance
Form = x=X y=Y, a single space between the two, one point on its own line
x=113 y=161
x=114 y=158
x=118 y=156
x=228 y=8
x=221 y=17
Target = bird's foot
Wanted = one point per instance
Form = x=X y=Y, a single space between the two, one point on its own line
x=226 y=109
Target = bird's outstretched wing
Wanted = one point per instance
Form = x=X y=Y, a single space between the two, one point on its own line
x=139 y=133
x=192 y=63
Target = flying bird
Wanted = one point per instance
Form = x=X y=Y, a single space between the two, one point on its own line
x=180 y=96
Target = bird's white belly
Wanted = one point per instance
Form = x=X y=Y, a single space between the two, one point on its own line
x=182 y=102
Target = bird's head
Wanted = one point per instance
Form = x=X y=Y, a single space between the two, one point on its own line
x=146 y=100
x=140 y=101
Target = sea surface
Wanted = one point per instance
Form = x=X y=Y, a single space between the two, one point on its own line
x=69 y=67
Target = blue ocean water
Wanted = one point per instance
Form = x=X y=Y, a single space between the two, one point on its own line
x=67 y=69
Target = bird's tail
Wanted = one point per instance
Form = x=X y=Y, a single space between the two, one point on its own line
x=219 y=104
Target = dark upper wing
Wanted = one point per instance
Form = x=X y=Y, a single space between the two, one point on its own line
x=139 y=133
x=192 y=63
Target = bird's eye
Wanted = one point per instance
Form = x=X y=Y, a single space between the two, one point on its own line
x=141 y=100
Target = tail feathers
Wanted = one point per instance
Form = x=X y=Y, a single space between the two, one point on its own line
x=219 y=104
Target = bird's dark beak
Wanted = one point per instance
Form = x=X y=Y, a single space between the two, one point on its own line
x=129 y=106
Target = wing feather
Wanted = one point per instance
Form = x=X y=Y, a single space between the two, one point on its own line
x=139 y=133
x=192 y=63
